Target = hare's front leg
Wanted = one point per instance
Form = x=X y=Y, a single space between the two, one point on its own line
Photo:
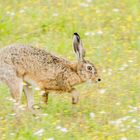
x=29 y=96
x=75 y=96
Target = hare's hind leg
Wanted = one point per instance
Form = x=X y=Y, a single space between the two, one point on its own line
x=16 y=87
x=8 y=75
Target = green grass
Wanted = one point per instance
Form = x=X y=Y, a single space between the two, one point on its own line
x=110 y=32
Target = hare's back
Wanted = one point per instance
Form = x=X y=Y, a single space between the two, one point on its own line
x=31 y=58
x=23 y=52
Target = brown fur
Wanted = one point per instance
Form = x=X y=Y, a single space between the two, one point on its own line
x=35 y=66
x=49 y=71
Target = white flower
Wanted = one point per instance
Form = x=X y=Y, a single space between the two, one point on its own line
x=12 y=134
x=92 y=33
x=128 y=126
x=24 y=84
x=8 y=12
x=92 y=115
x=12 y=14
x=104 y=70
x=61 y=128
x=45 y=115
x=123 y=138
x=125 y=65
x=35 y=106
x=100 y=32
x=130 y=61
x=29 y=86
x=64 y=129
x=37 y=88
x=89 y=1
x=133 y=109
x=121 y=68
x=37 y=117
x=138 y=127
x=50 y=138
x=119 y=122
x=122 y=125
x=89 y=33
x=125 y=118
x=123 y=129
x=116 y=10
x=102 y=112
x=55 y=14
x=98 y=11
x=133 y=120
x=22 y=11
x=11 y=99
x=116 y=122
x=109 y=71
x=84 y=4
x=58 y=127
x=39 y=132
x=102 y=91
x=12 y=114
x=118 y=103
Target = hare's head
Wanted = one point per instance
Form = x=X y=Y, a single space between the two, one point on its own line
x=85 y=69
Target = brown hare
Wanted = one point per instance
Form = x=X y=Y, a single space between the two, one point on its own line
x=34 y=66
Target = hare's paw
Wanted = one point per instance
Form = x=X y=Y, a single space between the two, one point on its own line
x=75 y=100
x=45 y=97
x=75 y=96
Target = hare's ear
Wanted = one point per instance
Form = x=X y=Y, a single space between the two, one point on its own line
x=78 y=47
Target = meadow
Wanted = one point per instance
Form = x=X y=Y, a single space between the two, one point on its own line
x=110 y=30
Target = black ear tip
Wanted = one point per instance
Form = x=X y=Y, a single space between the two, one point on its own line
x=76 y=34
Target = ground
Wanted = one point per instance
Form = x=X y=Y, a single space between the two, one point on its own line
x=109 y=29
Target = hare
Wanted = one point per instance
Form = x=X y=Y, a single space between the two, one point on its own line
x=21 y=63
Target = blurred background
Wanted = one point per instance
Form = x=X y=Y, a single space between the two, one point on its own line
x=110 y=31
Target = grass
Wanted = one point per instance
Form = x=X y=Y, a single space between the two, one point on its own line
x=110 y=32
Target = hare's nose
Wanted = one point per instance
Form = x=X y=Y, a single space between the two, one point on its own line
x=99 y=79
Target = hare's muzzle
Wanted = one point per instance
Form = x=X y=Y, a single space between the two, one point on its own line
x=96 y=79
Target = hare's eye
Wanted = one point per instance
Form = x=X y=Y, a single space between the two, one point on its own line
x=89 y=68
